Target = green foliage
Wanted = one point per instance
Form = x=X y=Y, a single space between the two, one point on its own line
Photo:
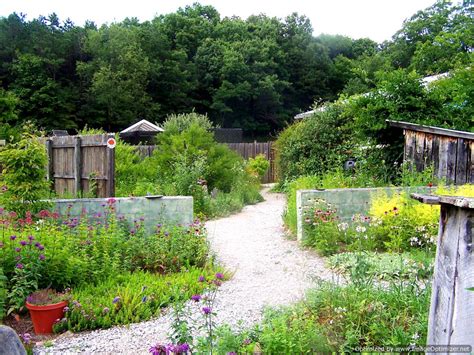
x=340 y=318
x=175 y=124
x=3 y=294
x=188 y=161
x=315 y=144
x=129 y=298
x=81 y=251
x=258 y=166
x=23 y=173
x=413 y=265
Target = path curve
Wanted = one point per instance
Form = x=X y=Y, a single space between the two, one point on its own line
x=269 y=270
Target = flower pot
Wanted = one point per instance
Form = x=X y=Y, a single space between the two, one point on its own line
x=44 y=316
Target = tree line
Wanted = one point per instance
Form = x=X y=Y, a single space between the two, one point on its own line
x=255 y=74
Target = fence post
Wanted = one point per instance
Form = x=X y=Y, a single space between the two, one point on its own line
x=452 y=304
x=110 y=184
x=50 y=167
x=77 y=166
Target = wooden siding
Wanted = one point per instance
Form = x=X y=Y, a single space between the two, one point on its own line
x=75 y=161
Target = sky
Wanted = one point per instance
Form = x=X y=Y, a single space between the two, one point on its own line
x=375 y=19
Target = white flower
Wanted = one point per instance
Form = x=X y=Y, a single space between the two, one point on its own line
x=342 y=226
x=415 y=336
x=360 y=229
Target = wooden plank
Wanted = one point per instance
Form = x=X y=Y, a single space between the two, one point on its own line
x=428 y=151
x=410 y=146
x=50 y=166
x=433 y=130
x=435 y=155
x=77 y=166
x=443 y=158
x=451 y=160
x=461 y=162
x=110 y=188
x=444 y=280
x=470 y=163
x=419 y=150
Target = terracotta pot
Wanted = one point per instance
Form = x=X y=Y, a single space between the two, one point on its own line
x=44 y=316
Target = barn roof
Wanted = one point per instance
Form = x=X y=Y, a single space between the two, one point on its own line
x=143 y=126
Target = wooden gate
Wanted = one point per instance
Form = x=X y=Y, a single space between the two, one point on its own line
x=81 y=165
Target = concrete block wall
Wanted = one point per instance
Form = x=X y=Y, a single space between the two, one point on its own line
x=347 y=202
x=169 y=210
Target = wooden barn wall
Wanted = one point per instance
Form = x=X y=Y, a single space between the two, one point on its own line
x=452 y=158
x=76 y=163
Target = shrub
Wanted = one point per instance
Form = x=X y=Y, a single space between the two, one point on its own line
x=23 y=181
x=175 y=124
x=258 y=166
x=315 y=144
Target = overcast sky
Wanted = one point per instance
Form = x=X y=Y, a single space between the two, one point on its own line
x=376 y=19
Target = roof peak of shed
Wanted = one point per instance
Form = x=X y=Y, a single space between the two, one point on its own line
x=143 y=125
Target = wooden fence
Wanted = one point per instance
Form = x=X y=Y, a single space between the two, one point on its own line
x=449 y=152
x=81 y=165
x=246 y=150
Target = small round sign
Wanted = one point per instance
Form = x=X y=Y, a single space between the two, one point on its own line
x=111 y=143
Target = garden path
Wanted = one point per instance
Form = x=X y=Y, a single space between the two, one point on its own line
x=269 y=270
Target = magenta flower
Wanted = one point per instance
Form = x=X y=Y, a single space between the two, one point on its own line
x=66 y=309
x=196 y=298
x=4 y=188
x=158 y=349
x=41 y=257
x=23 y=242
x=220 y=276
x=17 y=250
x=19 y=266
x=12 y=237
x=206 y=310
x=31 y=238
x=202 y=278
x=111 y=201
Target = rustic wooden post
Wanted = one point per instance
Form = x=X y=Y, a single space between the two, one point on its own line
x=110 y=187
x=50 y=167
x=77 y=166
x=451 y=319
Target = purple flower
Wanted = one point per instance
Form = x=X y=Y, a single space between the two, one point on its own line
x=12 y=237
x=17 y=250
x=18 y=257
x=158 y=349
x=66 y=309
x=4 y=188
x=26 y=338
x=41 y=257
x=31 y=238
x=105 y=310
x=220 y=276
x=23 y=242
x=116 y=299
x=202 y=278
x=132 y=231
x=196 y=298
x=1 y=245
x=206 y=310
x=166 y=234
x=183 y=348
x=144 y=299
x=19 y=266
x=111 y=201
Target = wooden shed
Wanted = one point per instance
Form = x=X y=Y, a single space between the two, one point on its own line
x=449 y=152
x=141 y=132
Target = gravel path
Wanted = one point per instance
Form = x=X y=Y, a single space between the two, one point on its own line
x=269 y=270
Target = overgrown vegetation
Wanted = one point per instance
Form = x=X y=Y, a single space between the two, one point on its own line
x=49 y=250
x=188 y=161
x=22 y=179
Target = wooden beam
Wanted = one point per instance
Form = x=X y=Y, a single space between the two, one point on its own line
x=77 y=166
x=431 y=129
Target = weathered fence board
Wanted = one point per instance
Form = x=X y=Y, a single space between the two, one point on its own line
x=78 y=163
x=452 y=304
x=448 y=152
x=246 y=150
